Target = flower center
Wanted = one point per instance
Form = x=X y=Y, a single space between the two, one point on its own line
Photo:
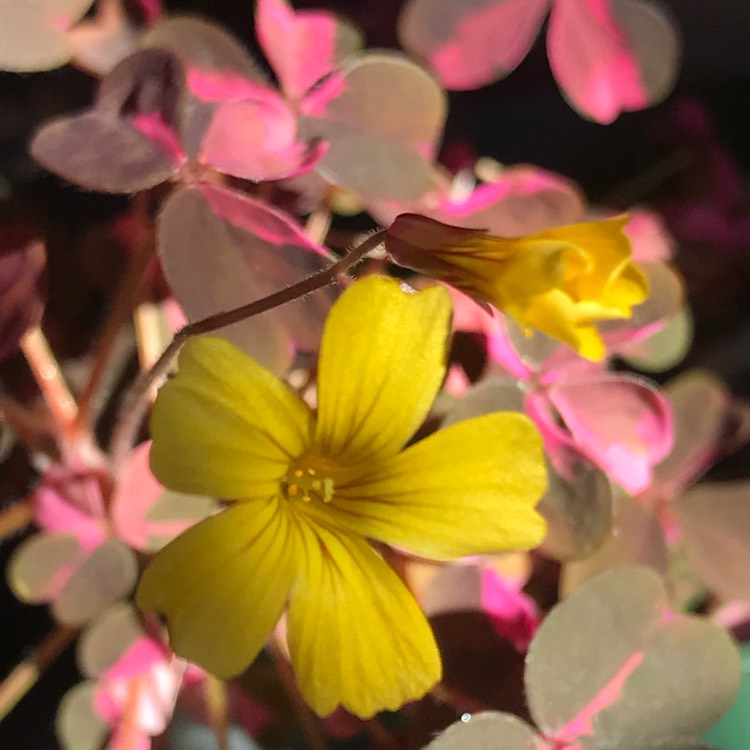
x=306 y=484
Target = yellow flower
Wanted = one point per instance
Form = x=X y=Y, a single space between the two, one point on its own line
x=314 y=487
x=560 y=281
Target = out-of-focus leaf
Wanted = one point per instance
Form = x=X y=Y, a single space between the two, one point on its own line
x=474 y=42
x=715 y=522
x=488 y=730
x=495 y=394
x=578 y=512
x=33 y=34
x=107 y=639
x=628 y=675
x=144 y=513
x=382 y=127
x=101 y=43
x=523 y=200
x=304 y=46
x=257 y=140
x=387 y=95
x=202 y=43
x=664 y=349
x=128 y=141
x=636 y=537
x=42 y=565
x=649 y=237
x=733 y=730
x=221 y=250
x=108 y=574
x=22 y=287
x=708 y=424
x=79 y=725
x=612 y=56
x=621 y=423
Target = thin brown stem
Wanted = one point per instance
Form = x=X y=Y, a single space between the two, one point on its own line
x=49 y=378
x=136 y=400
x=308 y=722
x=16 y=517
x=216 y=708
x=119 y=313
x=25 y=675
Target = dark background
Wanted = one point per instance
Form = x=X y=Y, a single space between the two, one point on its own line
x=662 y=157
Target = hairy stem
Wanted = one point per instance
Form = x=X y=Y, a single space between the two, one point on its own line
x=136 y=400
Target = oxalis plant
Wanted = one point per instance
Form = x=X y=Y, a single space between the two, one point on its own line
x=315 y=516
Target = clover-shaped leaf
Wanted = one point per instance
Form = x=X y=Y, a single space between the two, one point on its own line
x=221 y=249
x=128 y=140
x=611 y=669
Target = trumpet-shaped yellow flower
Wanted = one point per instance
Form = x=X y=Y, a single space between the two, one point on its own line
x=313 y=488
x=560 y=281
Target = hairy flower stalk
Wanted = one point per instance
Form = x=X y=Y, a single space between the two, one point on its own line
x=310 y=489
x=561 y=281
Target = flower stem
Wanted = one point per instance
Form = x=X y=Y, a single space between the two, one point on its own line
x=25 y=675
x=308 y=722
x=15 y=517
x=136 y=400
x=143 y=248
x=216 y=708
x=51 y=383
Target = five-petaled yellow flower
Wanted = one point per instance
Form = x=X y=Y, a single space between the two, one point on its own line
x=560 y=281
x=313 y=488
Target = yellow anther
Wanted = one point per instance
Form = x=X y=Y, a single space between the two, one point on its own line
x=292 y=490
x=311 y=472
x=305 y=498
x=298 y=472
x=306 y=484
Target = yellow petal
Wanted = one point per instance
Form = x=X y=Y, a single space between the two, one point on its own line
x=223 y=585
x=468 y=489
x=382 y=361
x=225 y=426
x=357 y=637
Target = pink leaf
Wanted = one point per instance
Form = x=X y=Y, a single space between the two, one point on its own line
x=611 y=56
x=471 y=43
x=257 y=140
x=621 y=423
x=301 y=47
x=649 y=237
x=138 y=497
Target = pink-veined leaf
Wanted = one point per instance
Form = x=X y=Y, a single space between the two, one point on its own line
x=619 y=422
x=611 y=56
x=33 y=34
x=42 y=564
x=663 y=349
x=144 y=513
x=611 y=667
x=23 y=265
x=302 y=47
x=523 y=200
x=128 y=141
x=79 y=726
x=221 y=249
x=474 y=42
x=257 y=140
x=106 y=575
x=715 y=521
